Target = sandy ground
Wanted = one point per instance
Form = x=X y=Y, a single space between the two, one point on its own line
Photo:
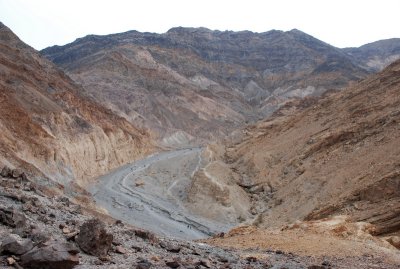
x=357 y=251
x=150 y=194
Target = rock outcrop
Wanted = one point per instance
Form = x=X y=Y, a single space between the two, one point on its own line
x=50 y=128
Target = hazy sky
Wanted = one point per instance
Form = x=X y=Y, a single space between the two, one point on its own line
x=342 y=23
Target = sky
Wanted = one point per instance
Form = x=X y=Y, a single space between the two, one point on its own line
x=342 y=23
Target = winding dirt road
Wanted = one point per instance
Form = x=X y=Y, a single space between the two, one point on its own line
x=151 y=194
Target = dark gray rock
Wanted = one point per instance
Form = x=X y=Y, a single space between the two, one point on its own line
x=143 y=264
x=205 y=262
x=38 y=236
x=14 y=244
x=146 y=235
x=11 y=217
x=6 y=172
x=172 y=264
x=174 y=248
x=93 y=238
x=51 y=255
x=17 y=173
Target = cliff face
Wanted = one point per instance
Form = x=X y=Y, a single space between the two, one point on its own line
x=197 y=84
x=318 y=158
x=50 y=128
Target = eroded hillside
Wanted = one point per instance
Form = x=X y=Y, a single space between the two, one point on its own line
x=196 y=85
x=319 y=158
x=50 y=128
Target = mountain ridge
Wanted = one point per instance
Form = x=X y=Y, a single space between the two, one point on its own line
x=247 y=75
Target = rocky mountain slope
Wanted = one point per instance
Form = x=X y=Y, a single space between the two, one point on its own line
x=376 y=55
x=319 y=158
x=197 y=83
x=50 y=128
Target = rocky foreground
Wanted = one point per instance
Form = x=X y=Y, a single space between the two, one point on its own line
x=38 y=230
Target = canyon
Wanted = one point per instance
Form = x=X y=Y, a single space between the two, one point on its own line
x=229 y=149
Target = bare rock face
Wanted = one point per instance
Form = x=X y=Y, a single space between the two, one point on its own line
x=14 y=244
x=51 y=255
x=94 y=239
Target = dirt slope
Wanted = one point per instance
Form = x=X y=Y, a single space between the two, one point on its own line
x=50 y=128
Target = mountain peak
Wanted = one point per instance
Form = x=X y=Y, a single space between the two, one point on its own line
x=8 y=36
x=295 y=30
x=181 y=29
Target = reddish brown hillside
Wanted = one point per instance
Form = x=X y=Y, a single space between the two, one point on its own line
x=338 y=156
x=48 y=126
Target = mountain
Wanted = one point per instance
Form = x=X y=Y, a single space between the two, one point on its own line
x=50 y=127
x=319 y=158
x=376 y=55
x=314 y=185
x=194 y=84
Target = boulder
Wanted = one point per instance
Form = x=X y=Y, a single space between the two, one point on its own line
x=51 y=255
x=16 y=173
x=14 y=244
x=6 y=172
x=143 y=264
x=120 y=250
x=12 y=218
x=38 y=236
x=173 y=263
x=394 y=241
x=170 y=247
x=146 y=235
x=205 y=263
x=11 y=261
x=93 y=238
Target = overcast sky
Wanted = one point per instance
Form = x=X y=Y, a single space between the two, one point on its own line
x=342 y=23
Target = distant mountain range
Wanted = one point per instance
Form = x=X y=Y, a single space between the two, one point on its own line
x=194 y=84
x=377 y=55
